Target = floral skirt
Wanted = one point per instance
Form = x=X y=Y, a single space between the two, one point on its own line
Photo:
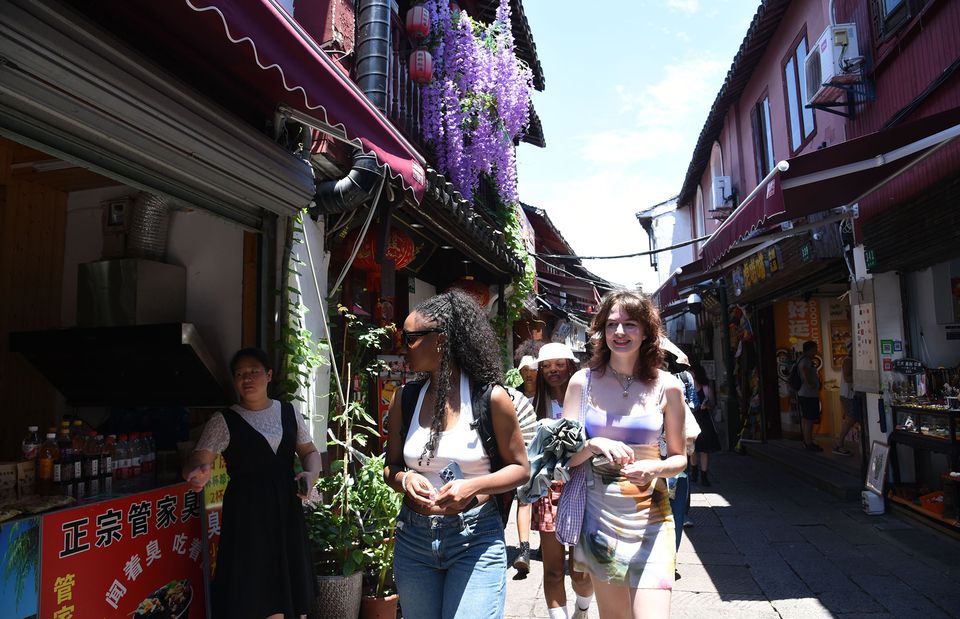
x=628 y=535
x=544 y=515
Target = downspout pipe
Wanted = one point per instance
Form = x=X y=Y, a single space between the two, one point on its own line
x=373 y=50
x=372 y=61
x=352 y=191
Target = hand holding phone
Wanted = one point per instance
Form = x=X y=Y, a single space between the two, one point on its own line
x=451 y=472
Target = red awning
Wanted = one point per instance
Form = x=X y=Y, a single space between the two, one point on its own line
x=264 y=55
x=831 y=177
x=667 y=293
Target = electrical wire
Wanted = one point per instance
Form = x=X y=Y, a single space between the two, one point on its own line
x=324 y=317
x=603 y=283
x=634 y=255
x=362 y=236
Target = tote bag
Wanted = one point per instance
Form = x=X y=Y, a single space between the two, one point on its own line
x=573 y=498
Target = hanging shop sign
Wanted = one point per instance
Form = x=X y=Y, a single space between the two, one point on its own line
x=141 y=555
x=757 y=268
x=910 y=367
x=865 y=342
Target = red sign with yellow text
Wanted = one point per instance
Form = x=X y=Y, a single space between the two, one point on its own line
x=141 y=555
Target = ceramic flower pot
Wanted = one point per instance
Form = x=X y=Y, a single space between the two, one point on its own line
x=379 y=607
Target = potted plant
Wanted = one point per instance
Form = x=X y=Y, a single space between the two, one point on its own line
x=380 y=505
x=333 y=526
x=346 y=524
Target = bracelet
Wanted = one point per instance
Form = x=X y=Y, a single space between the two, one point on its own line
x=403 y=481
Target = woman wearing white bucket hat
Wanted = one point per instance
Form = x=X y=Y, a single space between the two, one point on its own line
x=557 y=364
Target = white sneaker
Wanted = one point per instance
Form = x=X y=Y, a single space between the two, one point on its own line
x=580 y=613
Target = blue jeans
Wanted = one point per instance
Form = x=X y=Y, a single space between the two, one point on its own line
x=451 y=567
x=680 y=503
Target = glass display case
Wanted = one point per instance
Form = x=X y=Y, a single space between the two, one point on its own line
x=933 y=422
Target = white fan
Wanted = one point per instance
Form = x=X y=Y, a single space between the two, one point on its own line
x=526 y=414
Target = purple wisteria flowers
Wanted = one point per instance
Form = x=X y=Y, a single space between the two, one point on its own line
x=478 y=102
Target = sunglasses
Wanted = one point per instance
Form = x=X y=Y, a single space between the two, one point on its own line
x=410 y=337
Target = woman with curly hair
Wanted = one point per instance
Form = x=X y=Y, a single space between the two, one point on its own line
x=626 y=401
x=450 y=558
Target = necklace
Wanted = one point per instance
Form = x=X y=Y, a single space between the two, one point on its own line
x=624 y=381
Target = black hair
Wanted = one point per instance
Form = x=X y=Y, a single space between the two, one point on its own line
x=250 y=353
x=469 y=342
x=809 y=345
x=542 y=399
x=699 y=374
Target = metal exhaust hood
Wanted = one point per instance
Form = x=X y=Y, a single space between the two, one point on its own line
x=143 y=365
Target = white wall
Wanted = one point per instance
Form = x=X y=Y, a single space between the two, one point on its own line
x=210 y=248
x=930 y=343
x=313 y=275
x=83 y=241
x=421 y=292
x=669 y=229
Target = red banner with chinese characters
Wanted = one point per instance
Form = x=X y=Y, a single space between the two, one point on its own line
x=143 y=553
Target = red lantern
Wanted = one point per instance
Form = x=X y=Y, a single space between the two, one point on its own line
x=477 y=290
x=418 y=22
x=400 y=249
x=421 y=66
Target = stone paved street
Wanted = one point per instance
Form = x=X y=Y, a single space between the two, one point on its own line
x=767 y=544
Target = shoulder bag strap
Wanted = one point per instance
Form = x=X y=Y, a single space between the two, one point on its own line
x=585 y=398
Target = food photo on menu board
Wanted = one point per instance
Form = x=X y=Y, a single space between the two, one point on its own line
x=139 y=556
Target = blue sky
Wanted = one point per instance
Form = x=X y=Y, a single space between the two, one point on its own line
x=629 y=84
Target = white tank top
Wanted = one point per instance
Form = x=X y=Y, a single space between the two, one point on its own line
x=460 y=444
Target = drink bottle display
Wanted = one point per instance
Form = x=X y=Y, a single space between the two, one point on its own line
x=47 y=459
x=79 y=460
x=136 y=459
x=31 y=444
x=91 y=464
x=106 y=463
x=65 y=445
x=121 y=465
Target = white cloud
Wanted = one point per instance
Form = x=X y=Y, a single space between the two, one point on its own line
x=596 y=213
x=630 y=147
x=687 y=6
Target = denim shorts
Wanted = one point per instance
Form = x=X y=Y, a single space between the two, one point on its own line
x=451 y=567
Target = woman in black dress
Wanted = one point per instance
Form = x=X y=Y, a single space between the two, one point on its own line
x=708 y=441
x=264 y=566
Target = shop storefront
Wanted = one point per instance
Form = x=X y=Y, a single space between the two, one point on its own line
x=139 y=225
x=913 y=292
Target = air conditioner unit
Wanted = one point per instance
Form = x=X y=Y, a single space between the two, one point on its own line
x=835 y=59
x=722 y=191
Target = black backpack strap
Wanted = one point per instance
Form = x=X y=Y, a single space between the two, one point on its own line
x=408 y=404
x=483 y=424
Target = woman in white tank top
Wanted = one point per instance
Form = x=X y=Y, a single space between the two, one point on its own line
x=450 y=557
